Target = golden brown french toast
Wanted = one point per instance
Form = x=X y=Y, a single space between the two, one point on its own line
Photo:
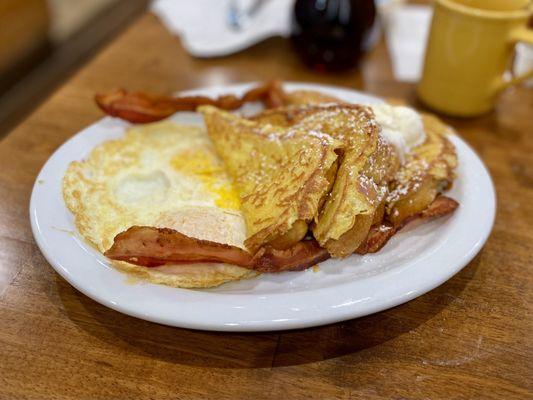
x=367 y=185
x=280 y=174
x=367 y=165
x=428 y=171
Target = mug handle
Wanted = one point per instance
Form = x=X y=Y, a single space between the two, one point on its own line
x=522 y=34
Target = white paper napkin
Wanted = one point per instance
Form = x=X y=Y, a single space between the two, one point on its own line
x=406 y=31
x=204 y=29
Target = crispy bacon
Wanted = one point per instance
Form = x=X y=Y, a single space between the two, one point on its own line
x=440 y=207
x=379 y=235
x=152 y=247
x=302 y=255
x=140 y=107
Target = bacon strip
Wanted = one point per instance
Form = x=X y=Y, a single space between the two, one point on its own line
x=302 y=255
x=140 y=107
x=379 y=235
x=152 y=247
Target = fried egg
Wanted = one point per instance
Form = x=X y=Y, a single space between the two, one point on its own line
x=164 y=175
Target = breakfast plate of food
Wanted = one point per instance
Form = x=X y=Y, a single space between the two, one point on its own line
x=257 y=207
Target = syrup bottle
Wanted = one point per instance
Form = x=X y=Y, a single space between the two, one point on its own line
x=330 y=35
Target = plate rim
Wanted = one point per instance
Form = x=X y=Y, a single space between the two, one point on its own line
x=344 y=313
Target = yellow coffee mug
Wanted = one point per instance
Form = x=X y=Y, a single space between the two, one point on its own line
x=470 y=46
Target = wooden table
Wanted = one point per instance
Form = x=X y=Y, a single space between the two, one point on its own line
x=469 y=338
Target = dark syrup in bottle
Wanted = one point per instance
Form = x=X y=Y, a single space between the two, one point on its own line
x=329 y=35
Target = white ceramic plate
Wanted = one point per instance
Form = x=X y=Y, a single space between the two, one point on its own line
x=412 y=263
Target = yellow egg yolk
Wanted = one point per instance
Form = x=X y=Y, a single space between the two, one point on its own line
x=208 y=169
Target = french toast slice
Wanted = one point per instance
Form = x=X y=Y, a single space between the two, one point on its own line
x=427 y=172
x=366 y=166
x=280 y=174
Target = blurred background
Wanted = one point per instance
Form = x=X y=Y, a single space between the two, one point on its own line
x=42 y=42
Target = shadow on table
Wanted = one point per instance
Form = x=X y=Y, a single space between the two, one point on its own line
x=257 y=350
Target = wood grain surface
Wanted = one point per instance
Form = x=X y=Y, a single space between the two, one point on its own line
x=470 y=338
x=24 y=28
